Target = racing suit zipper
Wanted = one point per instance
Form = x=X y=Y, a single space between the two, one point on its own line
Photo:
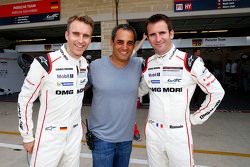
x=77 y=69
x=77 y=74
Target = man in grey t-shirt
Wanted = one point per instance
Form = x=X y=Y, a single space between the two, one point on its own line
x=115 y=80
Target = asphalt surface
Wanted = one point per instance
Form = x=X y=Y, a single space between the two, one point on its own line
x=223 y=141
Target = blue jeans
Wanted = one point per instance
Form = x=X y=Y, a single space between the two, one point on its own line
x=106 y=154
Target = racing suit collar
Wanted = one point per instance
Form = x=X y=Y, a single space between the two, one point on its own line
x=68 y=58
x=66 y=54
x=169 y=54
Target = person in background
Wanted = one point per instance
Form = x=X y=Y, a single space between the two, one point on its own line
x=234 y=72
x=58 y=79
x=115 y=81
x=197 y=52
x=170 y=77
x=228 y=68
x=245 y=73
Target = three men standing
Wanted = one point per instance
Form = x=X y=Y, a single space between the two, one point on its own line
x=170 y=77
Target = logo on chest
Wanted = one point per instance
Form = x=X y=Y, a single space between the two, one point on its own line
x=62 y=76
x=172 y=71
x=157 y=74
x=173 y=81
x=83 y=73
x=166 y=89
x=65 y=83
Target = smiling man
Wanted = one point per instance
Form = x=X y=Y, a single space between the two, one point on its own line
x=170 y=77
x=58 y=79
x=115 y=80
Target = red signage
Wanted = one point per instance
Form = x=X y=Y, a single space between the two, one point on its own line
x=28 y=12
x=197 y=5
x=196 y=42
x=188 y=6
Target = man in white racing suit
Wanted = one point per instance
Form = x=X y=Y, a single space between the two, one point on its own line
x=58 y=79
x=170 y=77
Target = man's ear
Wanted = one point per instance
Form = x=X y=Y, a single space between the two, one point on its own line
x=66 y=34
x=172 y=34
x=111 y=42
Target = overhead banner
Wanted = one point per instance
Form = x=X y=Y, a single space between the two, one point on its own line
x=197 y=5
x=30 y=12
x=207 y=42
x=179 y=43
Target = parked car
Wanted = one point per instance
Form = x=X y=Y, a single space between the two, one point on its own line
x=4 y=91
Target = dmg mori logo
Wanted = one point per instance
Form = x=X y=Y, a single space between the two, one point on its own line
x=172 y=89
x=166 y=89
x=155 y=89
x=64 y=92
x=80 y=90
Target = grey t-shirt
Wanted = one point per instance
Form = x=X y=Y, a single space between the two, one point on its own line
x=113 y=108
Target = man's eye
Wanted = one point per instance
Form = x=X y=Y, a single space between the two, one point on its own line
x=162 y=33
x=119 y=42
x=130 y=43
x=86 y=36
x=151 y=35
x=75 y=33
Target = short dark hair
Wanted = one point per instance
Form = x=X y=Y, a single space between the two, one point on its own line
x=124 y=27
x=195 y=50
x=85 y=19
x=159 y=17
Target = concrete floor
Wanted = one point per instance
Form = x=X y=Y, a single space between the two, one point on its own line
x=223 y=141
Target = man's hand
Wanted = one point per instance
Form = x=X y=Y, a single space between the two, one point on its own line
x=144 y=36
x=29 y=146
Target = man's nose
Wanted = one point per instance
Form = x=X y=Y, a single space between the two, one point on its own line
x=80 y=39
x=157 y=37
x=124 y=46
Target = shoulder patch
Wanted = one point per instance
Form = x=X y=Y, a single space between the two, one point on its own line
x=144 y=65
x=45 y=62
x=189 y=61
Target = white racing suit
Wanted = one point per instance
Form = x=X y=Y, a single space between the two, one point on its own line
x=171 y=81
x=58 y=80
